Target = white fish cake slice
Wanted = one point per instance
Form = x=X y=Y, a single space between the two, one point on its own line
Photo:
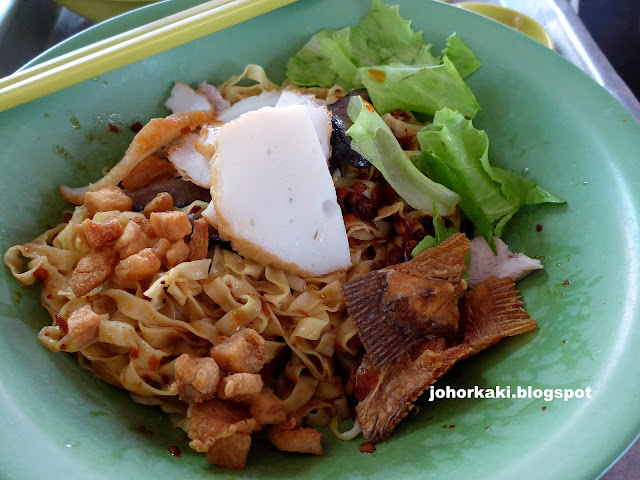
x=273 y=194
x=320 y=116
x=250 y=104
x=189 y=162
x=183 y=98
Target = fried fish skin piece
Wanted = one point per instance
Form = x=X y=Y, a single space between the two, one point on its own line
x=491 y=311
x=399 y=307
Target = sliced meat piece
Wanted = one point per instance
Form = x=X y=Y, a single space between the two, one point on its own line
x=220 y=105
x=485 y=264
x=398 y=307
x=492 y=310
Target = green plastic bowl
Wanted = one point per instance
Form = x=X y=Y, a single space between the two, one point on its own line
x=546 y=120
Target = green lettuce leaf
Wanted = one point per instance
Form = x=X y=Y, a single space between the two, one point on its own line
x=461 y=56
x=312 y=64
x=441 y=234
x=456 y=154
x=390 y=35
x=385 y=40
x=373 y=139
x=418 y=88
x=383 y=37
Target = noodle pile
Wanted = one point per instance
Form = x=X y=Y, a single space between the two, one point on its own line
x=145 y=325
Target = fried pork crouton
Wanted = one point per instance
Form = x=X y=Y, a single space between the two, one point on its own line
x=231 y=451
x=240 y=386
x=145 y=226
x=106 y=199
x=177 y=253
x=163 y=202
x=92 y=271
x=242 y=352
x=132 y=240
x=148 y=171
x=215 y=419
x=301 y=440
x=171 y=225
x=161 y=247
x=138 y=266
x=267 y=408
x=99 y=234
x=199 y=243
x=197 y=378
x=83 y=326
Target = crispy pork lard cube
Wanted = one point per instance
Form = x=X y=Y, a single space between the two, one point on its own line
x=215 y=419
x=240 y=386
x=301 y=440
x=231 y=451
x=197 y=378
x=105 y=200
x=242 y=352
x=82 y=326
x=267 y=408
x=92 y=271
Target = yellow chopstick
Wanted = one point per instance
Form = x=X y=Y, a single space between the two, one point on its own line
x=79 y=53
x=129 y=47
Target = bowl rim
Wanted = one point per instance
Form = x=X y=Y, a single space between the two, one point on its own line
x=151 y=6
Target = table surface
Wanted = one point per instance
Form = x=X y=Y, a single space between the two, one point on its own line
x=49 y=24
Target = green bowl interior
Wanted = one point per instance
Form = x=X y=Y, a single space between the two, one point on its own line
x=544 y=118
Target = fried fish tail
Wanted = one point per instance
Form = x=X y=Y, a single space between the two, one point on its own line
x=492 y=310
x=399 y=307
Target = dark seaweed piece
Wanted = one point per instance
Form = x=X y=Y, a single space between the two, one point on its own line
x=340 y=142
